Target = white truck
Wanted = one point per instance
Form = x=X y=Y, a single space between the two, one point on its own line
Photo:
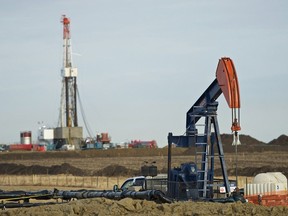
x=137 y=183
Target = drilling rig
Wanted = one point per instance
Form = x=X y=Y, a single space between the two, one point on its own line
x=68 y=131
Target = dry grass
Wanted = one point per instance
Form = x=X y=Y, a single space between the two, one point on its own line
x=60 y=181
x=56 y=181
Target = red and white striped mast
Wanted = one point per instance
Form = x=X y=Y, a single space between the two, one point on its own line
x=68 y=110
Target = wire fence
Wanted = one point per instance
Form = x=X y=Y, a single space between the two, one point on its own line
x=97 y=182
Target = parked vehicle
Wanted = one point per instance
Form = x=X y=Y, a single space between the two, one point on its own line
x=132 y=182
x=67 y=147
x=158 y=182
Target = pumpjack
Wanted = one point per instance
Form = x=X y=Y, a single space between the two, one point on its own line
x=195 y=180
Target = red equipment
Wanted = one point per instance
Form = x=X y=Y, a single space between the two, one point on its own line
x=142 y=144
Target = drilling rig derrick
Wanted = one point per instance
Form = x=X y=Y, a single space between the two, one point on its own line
x=68 y=131
x=69 y=81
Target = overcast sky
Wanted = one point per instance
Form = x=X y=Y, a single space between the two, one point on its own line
x=143 y=64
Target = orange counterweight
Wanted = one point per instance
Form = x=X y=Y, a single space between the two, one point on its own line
x=228 y=82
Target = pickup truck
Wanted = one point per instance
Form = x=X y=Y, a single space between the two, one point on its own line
x=133 y=181
x=158 y=182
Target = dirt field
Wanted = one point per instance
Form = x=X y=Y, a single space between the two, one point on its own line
x=127 y=206
x=126 y=163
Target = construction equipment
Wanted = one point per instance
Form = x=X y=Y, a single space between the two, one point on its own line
x=195 y=180
x=142 y=144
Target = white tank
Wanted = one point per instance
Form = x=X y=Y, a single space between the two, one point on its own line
x=267 y=183
x=276 y=180
x=26 y=137
x=270 y=177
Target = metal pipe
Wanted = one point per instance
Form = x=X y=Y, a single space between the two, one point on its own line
x=75 y=104
x=169 y=164
x=143 y=195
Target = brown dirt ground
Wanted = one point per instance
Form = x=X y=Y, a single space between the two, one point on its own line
x=253 y=157
x=127 y=206
x=127 y=162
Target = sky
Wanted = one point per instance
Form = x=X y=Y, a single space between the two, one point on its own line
x=143 y=64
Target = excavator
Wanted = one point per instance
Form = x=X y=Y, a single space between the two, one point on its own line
x=195 y=180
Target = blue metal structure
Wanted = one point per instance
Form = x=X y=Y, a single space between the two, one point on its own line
x=207 y=143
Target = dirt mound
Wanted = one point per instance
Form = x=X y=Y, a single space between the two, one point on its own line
x=116 y=170
x=248 y=144
x=127 y=206
x=112 y=170
x=19 y=169
x=245 y=140
x=281 y=140
x=252 y=171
